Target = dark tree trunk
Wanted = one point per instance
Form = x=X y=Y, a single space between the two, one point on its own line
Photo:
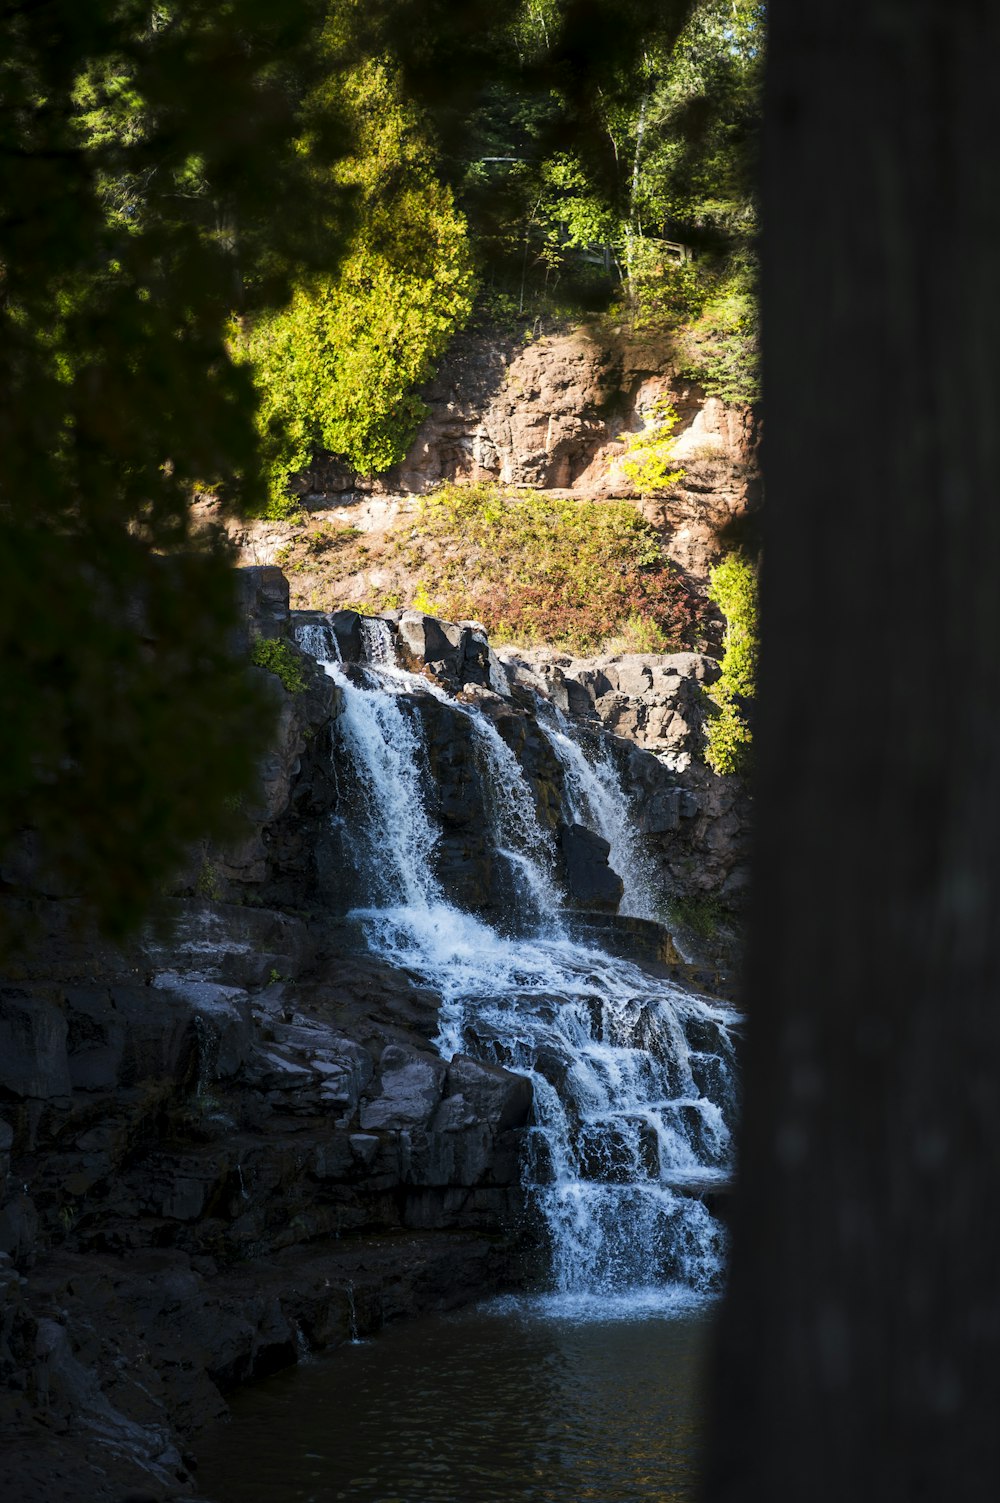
x=859 y=1346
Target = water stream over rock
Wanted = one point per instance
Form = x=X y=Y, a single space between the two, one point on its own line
x=596 y=799
x=413 y=1038
x=633 y=1076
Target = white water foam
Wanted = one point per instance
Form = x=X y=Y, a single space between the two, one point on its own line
x=319 y=640
x=383 y=744
x=517 y=833
x=633 y=1077
x=376 y=641
x=597 y=800
x=642 y=1303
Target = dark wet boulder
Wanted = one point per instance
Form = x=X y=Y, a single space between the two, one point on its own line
x=424 y=641
x=488 y=1094
x=33 y=1058
x=409 y=1089
x=591 y=881
x=264 y=601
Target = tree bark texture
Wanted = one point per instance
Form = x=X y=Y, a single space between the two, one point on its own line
x=858 y=1351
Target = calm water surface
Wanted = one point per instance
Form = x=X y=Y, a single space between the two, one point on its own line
x=515 y=1400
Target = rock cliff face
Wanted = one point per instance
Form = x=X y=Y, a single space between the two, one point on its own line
x=234 y=1140
x=208 y=1169
x=549 y=415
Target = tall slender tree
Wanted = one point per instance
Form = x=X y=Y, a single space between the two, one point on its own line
x=859 y=1347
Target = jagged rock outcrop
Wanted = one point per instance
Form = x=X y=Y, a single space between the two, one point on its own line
x=588 y=875
x=167 y=1130
x=655 y=706
x=654 y=701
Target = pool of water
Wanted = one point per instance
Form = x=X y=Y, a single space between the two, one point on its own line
x=543 y=1400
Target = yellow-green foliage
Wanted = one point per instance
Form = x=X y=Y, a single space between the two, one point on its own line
x=537 y=568
x=279 y=659
x=733 y=587
x=337 y=368
x=720 y=346
x=649 y=454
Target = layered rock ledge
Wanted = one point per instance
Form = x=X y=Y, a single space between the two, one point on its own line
x=233 y=1140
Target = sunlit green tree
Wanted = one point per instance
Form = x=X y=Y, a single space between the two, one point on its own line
x=338 y=367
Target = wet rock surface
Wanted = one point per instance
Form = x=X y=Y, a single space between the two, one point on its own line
x=232 y=1140
x=589 y=877
x=653 y=708
x=697 y=823
x=207 y=1172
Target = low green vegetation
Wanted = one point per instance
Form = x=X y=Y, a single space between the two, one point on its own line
x=582 y=575
x=702 y=916
x=733 y=588
x=207 y=883
x=278 y=658
x=649 y=454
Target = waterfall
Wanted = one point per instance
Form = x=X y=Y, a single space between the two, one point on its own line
x=319 y=640
x=596 y=799
x=376 y=640
x=397 y=840
x=634 y=1078
x=517 y=835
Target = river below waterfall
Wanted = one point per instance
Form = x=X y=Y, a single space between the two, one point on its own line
x=516 y=1400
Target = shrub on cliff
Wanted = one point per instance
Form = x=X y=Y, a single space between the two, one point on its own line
x=733 y=587
x=278 y=658
x=649 y=455
x=720 y=345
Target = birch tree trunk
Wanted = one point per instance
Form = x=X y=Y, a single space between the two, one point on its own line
x=859 y=1345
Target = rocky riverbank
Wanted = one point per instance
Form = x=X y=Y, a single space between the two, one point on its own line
x=233 y=1140
x=210 y=1170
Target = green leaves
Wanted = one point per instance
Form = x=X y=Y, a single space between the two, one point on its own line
x=336 y=369
x=153 y=169
x=649 y=454
x=280 y=659
x=634 y=135
x=733 y=588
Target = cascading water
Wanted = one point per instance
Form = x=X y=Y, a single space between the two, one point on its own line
x=319 y=640
x=517 y=834
x=633 y=1077
x=394 y=833
x=376 y=638
x=595 y=796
